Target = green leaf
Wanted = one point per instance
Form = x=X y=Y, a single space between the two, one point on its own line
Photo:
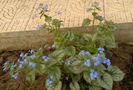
x=56 y=23
x=71 y=51
x=30 y=77
x=48 y=18
x=74 y=85
x=86 y=22
x=87 y=37
x=76 y=77
x=58 y=54
x=105 y=81
x=100 y=18
x=94 y=88
x=58 y=86
x=116 y=73
x=87 y=77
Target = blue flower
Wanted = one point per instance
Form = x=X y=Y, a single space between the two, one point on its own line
x=107 y=62
x=82 y=52
x=45 y=8
x=34 y=16
x=12 y=67
x=15 y=76
x=48 y=82
x=31 y=51
x=100 y=49
x=87 y=63
x=68 y=62
x=21 y=62
x=38 y=27
x=88 y=9
x=45 y=58
x=97 y=57
x=5 y=65
x=32 y=56
x=20 y=65
x=87 y=53
x=32 y=64
x=58 y=13
x=93 y=74
x=22 y=55
x=97 y=63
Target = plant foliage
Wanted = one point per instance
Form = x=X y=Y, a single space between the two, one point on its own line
x=78 y=61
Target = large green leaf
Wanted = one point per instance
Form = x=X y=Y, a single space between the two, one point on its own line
x=87 y=77
x=58 y=54
x=116 y=73
x=71 y=51
x=105 y=81
x=74 y=85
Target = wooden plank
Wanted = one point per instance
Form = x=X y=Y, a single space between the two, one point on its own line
x=36 y=39
x=120 y=11
x=114 y=10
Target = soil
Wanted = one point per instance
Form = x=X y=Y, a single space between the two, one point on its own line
x=121 y=57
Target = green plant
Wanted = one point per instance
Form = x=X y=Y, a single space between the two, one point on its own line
x=78 y=61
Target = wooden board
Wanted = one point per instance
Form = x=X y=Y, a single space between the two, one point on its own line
x=35 y=39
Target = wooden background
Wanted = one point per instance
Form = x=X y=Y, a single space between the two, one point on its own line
x=17 y=15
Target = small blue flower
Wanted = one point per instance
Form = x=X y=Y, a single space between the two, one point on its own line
x=82 y=52
x=87 y=63
x=34 y=16
x=88 y=9
x=25 y=54
x=22 y=55
x=45 y=8
x=97 y=57
x=97 y=63
x=107 y=62
x=93 y=74
x=5 y=65
x=20 y=61
x=12 y=67
x=38 y=27
x=15 y=76
x=68 y=62
x=31 y=51
x=100 y=49
x=45 y=58
x=32 y=56
x=32 y=64
x=20 y=65
x=48 y=82
x=58 y=13
x=87 y=53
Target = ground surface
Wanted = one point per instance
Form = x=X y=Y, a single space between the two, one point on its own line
x=16 y=15
x=122 y=57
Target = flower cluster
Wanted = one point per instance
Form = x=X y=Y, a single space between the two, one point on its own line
x=93 y=61
x=93 y=74
x=83 y=52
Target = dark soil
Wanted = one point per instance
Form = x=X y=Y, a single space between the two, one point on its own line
x=121 y=57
